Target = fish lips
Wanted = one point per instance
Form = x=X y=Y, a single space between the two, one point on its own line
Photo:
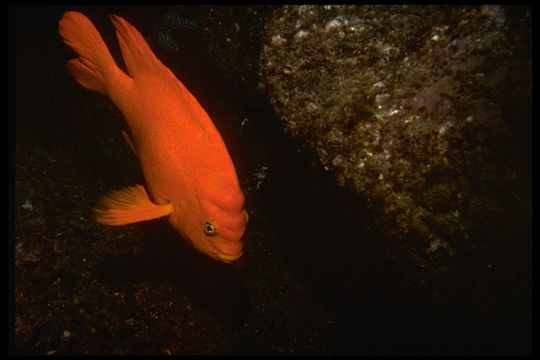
x=228 y=251
x=228 y=258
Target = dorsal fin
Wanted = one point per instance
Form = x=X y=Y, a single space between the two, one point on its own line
x=140 y=59
x=138 y=56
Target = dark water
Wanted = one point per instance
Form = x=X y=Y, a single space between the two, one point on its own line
x=314 y=278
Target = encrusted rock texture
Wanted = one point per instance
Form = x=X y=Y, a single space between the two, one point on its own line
x=425 y=112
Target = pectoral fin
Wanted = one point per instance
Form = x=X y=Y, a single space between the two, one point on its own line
x=129 y=205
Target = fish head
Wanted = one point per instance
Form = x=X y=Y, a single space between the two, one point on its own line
x=215 y=227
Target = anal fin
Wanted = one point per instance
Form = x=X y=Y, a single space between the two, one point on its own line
x=129 y=205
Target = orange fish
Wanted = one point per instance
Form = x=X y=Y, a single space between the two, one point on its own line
x=189 y=174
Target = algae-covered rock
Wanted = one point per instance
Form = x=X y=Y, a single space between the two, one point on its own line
x=424 y=111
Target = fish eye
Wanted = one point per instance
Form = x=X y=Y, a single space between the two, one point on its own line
x=210 y=229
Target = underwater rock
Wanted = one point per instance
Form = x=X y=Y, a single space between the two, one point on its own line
x=425 y=112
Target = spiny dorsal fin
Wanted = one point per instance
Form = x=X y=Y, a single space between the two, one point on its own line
x=129 y=205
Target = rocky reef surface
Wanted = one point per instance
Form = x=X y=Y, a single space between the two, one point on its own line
x=424 y=111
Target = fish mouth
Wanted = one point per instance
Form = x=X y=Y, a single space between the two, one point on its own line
x=228 y=258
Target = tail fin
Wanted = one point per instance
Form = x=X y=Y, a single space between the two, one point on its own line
x=95 y=63
x=137 y=55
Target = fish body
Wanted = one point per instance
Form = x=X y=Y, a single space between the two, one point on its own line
x=190 y=177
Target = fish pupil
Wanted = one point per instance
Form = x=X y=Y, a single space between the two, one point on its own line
x=209 y=229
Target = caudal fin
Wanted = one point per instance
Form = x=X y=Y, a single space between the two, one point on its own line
x=95 y=64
